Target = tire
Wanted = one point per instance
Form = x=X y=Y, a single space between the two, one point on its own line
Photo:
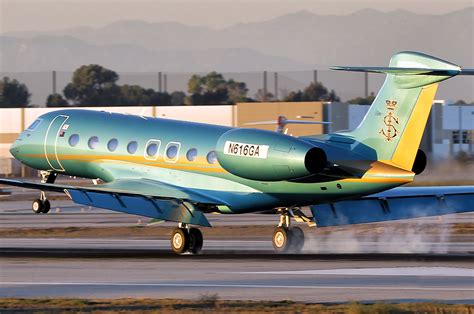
x=179 y=240
x=195 y=240
x=37 y=206
x=281 y=239
x=297 y=240
x=46 y=207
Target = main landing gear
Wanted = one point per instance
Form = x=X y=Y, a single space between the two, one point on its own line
x=287 y=239
x=42 y=205
x=186 y=239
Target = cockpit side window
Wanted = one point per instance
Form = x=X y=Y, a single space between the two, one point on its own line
x=34 y=125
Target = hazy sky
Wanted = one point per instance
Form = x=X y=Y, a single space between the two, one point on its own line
x=20 y=15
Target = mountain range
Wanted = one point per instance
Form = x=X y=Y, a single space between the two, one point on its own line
x=293 y=42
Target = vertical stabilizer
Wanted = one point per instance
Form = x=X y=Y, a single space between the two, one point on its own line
x=395 y=122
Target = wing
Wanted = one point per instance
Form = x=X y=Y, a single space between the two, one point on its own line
x=394 y=204
x=142 y=197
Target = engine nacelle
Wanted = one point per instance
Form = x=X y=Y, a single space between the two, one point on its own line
x=268 y=156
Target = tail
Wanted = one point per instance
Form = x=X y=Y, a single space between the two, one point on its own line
x=395 y=122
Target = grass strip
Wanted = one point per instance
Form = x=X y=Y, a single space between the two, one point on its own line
x=211 y=302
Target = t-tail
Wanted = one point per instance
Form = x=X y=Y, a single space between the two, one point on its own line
x=395 y=122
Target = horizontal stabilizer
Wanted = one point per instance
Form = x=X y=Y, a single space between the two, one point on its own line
x=395 y=204
x=406 y=71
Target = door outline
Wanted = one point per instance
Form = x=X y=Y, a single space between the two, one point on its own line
x=55 y=143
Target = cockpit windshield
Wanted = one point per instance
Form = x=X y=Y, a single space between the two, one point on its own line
x=34 y=125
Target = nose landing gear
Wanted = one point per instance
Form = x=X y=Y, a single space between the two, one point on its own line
x=185 y=239
x=42 y=205
x=287 y=239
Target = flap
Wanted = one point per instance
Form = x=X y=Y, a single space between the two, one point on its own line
x=169 y=210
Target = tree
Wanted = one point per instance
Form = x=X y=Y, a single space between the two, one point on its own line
x=159 y=99
x=56 y=100
x=177 y=98
x=213 y=88
x=195 y=84
x=260 y=96
x=135 y=95
x=315 y=91
x=93 y=85
x=363 y=100
x=237 y=91
x=13 y=94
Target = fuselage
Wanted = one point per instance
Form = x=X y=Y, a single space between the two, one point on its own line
x=108 y=146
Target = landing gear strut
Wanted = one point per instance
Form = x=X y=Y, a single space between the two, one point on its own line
x=42 y=205
x=185 y=239
x=287 y=239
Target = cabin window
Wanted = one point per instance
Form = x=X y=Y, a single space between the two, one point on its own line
x=34 y=125
x=73 y=140
x=211 y=157
x=132 y=147
x=172 y=150
x=112 y=144
x=191 y=154
x=93 y=142
x=152 y=150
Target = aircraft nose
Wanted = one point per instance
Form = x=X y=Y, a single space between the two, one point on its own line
x=15 y=148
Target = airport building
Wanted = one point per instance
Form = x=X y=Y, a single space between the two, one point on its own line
x=450 y=128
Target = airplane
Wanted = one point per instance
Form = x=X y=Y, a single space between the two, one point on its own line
x=179 y=171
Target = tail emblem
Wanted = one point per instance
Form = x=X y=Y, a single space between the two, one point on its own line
x=390 y=120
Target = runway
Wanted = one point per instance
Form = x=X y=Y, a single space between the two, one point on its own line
x=309 y=278
x=337 y=267
x=17 y=214
x=314 y=245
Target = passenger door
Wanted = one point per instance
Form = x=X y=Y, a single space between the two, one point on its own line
x=55 y=130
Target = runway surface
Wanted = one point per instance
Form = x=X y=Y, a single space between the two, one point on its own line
x=313 y=245
x=310 y=278
x=334 y=268
x=17 y=214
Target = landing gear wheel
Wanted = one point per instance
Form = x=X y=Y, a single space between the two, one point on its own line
x=281 y=239
x=46 y=206
x=37 y=206
x=297 y=239
x=179 y=240
x=195 y=240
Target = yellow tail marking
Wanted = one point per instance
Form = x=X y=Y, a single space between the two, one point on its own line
x=404 y=155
